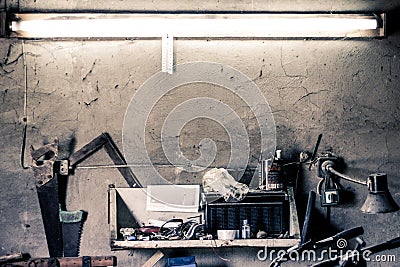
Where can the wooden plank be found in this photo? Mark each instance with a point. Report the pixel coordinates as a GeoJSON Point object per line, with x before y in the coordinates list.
{"type": "Point", "coordinates": [105, 140]}
{"type": "Point", "coordinates": [118, 159]}
{"type": "Point", "coordinates": [154, 259]}
{"type": "Point", "coordinates": [205, 243]}
{"type": "Point", "coordinates": [294, 227]}
{"type": "Point", "coordinates": [12, 257]}
{"type": "Point", "coordinates": [99, 261]}
{"type": "Point", "coordinates": [87, 150]}
{"type": "Point", "coordinates": [112, 205]}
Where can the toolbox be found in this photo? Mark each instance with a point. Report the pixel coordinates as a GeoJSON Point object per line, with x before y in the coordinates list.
{"type": "Point", "coordinates": [266, 211]}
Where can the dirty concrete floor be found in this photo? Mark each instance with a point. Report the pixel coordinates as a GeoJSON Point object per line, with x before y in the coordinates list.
{"type": "Point", "coordinates": [345, 89]}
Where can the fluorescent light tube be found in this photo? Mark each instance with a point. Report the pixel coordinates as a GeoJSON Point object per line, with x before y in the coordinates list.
{"type": "Point", "coordinates": [84, 25]}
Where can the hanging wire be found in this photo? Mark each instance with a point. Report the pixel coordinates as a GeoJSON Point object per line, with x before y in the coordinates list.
{"type": "Point", "coordinates": [25, 127]}
{"type": "Point", "coordinates": [25, 118]}
{"type": "Point", "coordinates": [213, 242]}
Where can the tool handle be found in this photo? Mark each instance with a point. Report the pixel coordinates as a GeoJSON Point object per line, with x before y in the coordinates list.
{"type": "Point", "coordinates": [314, 154]}
{"type": "Point", "coordinates": [12, 257]}
{"type": "Point", "coordinates": [305, 233]}
{"type": "Point", "coordinates": [350, 233]}
{"type": "Point", "coordinates": [95, 261]}
{"type": "Point", "coordinates": [87, 150]}
{"type": "Point", "coordinates": [394, 243]}
{"type": "Point", "coordinates": [346, 234]}
{"type": "Point", "coordinates": [391, 244]}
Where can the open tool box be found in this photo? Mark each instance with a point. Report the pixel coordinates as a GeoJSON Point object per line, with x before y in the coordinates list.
{"type": "Point", "coordinates": [274, 211]}
{"type": "Point", "coordinates": [266, 210]}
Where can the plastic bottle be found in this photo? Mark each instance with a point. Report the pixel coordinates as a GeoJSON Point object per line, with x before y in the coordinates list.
{"type": "Point", "coordinates": [246, 230]}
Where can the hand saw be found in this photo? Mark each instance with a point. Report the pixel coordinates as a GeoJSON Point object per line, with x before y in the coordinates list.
{"type": "Point", "coordinates": [62, 227]}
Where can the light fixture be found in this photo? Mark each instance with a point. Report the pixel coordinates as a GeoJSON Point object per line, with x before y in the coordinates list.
{"type": "Point", "coordinates": [379, 199]}
{"type": "Point", "coordinates": [192, 25]}
{"type": "Point", "coordinates": [245, 25]}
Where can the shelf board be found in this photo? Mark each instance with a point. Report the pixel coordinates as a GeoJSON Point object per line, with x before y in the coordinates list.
{"type": "Point", "coordinates": [284, 242]}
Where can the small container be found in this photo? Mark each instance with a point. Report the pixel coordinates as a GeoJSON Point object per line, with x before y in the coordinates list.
{"type": "Point", "coordinates": [246, 230]}
{"type": "Point", "coordinates": [226, 234]}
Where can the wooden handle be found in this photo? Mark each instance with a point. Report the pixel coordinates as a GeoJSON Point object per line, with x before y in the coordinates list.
{"type": "Point", "coordinates": [12, 257]}
{"type": "Point", "coordinates": [96, 261]}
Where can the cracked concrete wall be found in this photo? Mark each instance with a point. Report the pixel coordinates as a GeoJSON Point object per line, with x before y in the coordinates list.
{"type": "Point", "coordinates": [345, 89]}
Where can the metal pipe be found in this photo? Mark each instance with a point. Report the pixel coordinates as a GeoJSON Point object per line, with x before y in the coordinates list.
{"type": "Point", "coordinates": [341, 175]}
{"type": "Point", "coordinates": [157, 165]}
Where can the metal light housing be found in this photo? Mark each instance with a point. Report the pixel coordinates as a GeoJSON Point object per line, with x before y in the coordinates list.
{"type": "Point", "coordinates": [379, 199]}
{"type": "Point", "coordinates": [194, 25]}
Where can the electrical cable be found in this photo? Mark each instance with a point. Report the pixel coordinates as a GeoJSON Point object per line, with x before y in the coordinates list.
{"type": "Point", "coordinates": [24, 119]}
{"type": "Point", "coordinates": [215, 252]}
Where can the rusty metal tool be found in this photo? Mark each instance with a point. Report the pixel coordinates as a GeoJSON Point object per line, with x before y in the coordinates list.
{"type": "Point", "coordinates": [43, 165]}
{"type": "Point", "coordinates": [105, 140]}
{"type": "Point", "coordinates": [62, 227]}
{"type": "Point", "coordinates": [13, 258]}
{"type": "Point", "coordinates": [85, 261]}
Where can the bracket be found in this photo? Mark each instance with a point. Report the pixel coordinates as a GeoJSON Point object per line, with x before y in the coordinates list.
{"type": "Point", "coordinates": [330, 196]}
{"type": "Point", "coordinates": [167, 53]}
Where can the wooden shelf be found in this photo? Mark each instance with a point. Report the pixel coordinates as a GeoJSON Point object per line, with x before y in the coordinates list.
{"type": "Point", "coordinates": [284, 242]}
{"type": "Point", "coordinates": [134, 202]}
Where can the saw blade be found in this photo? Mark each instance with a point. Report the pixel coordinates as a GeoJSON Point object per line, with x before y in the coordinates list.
{"type": "Point", "coordinates": [48, 201]}
{"type": "Point", "coordinates": [71, 233]}
{"type": "Point", "coordinates": [71, 225]}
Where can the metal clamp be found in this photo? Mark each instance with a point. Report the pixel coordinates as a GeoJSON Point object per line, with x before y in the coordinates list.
{"type": "Point", "coordinates": [86, 261]}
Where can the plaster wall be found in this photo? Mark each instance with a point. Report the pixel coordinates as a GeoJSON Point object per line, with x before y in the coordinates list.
{"type": "Point", "coordinates": [345, 89]}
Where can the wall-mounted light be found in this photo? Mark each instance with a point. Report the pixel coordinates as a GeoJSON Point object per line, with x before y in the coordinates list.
{"type": "Point", "coordinates": [379, 199]}
{"type": "Point", "coordinates": [191, 25]}
{"type": "Point", "coordinates": [247, 25]}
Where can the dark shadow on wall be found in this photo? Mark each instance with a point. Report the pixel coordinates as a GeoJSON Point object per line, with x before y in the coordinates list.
{"type": "Point", "coordinates": [393, 22]}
